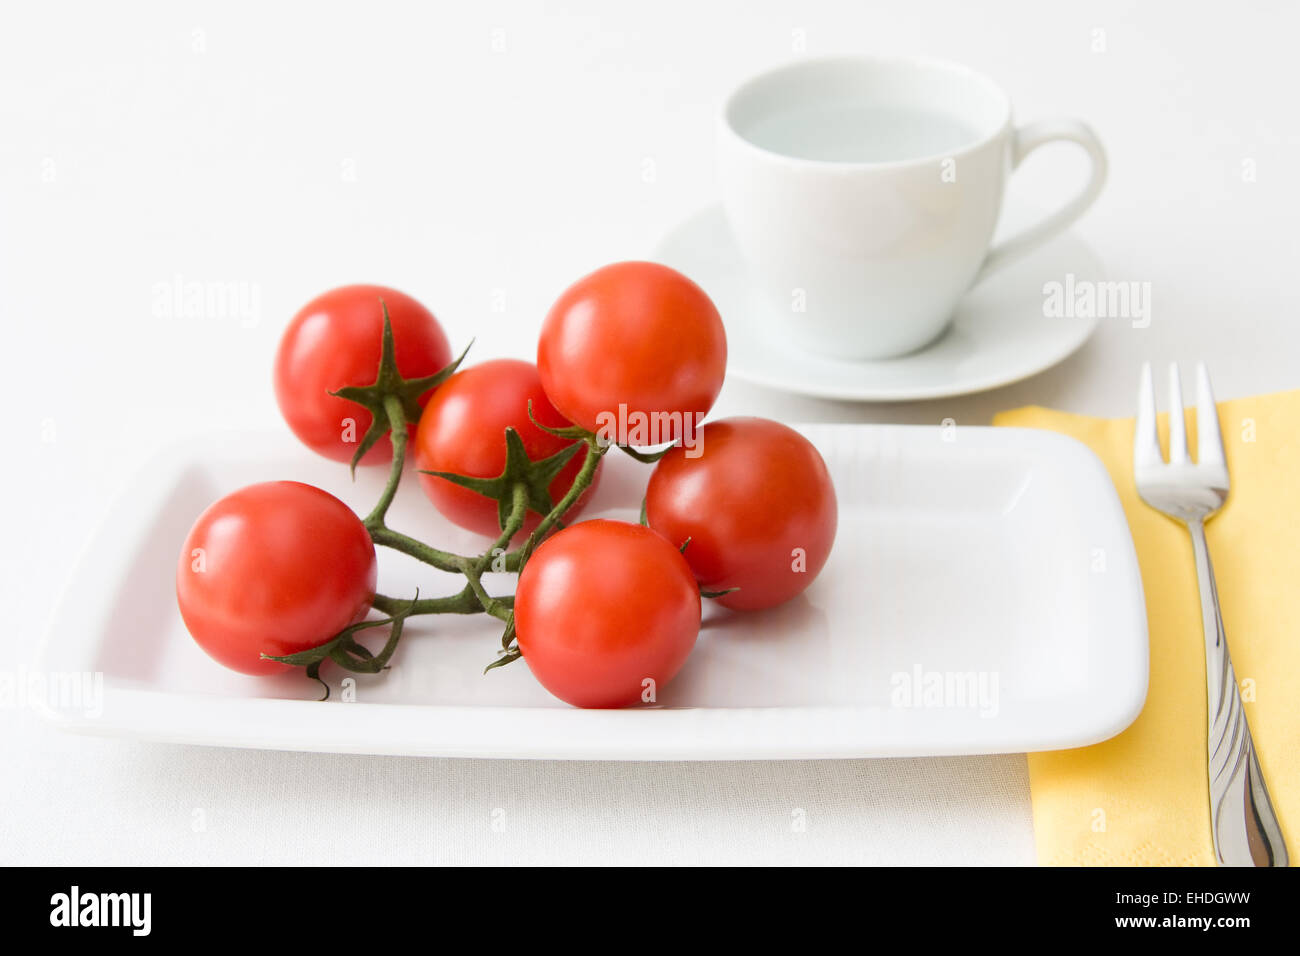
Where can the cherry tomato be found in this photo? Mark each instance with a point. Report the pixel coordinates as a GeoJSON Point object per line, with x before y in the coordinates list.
{"type": "Point", "coordinates": [334, 341]}
{"type": "Point", "coordinates": [602, 607]}
{"type": "Point", "coordinates": [462, 430]}
{"type": "Point", "coordinates": [274, 568]}
{"type": "Point", "coordinates": [633, 342]}
{"type": "Point", "coordinates": [757, 504]}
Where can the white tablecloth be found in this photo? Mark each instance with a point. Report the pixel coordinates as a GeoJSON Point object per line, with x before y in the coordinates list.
{"type": "Point", "coordinates": [482, 158]}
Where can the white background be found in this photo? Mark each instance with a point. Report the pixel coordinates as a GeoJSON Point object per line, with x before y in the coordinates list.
{"type": "Point", "coordinates": [502, 150]}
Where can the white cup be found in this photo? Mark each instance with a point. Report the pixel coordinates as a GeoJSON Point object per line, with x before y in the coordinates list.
{"type": "Point", "coordinates": [863, 193]}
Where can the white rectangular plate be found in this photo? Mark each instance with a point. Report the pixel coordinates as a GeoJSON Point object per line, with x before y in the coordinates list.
{"type": "Point", "coordinates": [983, 596]}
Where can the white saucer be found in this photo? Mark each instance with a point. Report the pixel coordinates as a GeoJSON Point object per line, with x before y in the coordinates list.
{"type": "Point", "coordinates": [1000, 334]}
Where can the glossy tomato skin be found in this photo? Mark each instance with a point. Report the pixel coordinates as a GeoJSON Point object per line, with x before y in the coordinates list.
{"type": "Point", "coordinates": [462, 430]}
{"type": "Point", "coordinates": [273, 568]}
{"type": "Point", "coordinates": [335, 340]}
{"type": "Point", "coordinates": [601, 607]}
{"type": "Point", "coordinates": [637, 334]}
{"type": "Point", "coordinates": [757, 492]}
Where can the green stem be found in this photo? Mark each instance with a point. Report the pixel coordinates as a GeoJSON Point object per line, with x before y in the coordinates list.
{"type": "Point", "coordinates": [581, 482]}
{"type": "Point", "coordinates": [474, 571]}
{"type": "Point", "coordinates": [380, 533]}
{"type": "Point", "coordinates": [514, 521]}
{"type": "Point", "coordinates": [464, 601]}
{"type": "Point", "coordinates": [498, 608]}
{"type": "Point", "coordinates": [398, 436]}
{"type": "Point", "coordinates": [442, 560]}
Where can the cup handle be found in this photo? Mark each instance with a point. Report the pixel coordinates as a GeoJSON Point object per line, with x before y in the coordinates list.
{"type": "Point", "coordinates": [1024, 141]}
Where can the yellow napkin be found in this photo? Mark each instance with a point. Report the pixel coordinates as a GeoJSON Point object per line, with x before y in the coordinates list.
{"type": "Point", "coordinates": [1142, 798]}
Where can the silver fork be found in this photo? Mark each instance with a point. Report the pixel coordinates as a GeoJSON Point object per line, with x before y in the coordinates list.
{"type": "Point", "coordinates": [1246, 831]}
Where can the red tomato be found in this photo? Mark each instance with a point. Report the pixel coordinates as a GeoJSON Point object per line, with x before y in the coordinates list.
{"type": "Point", "coordinates": [633, 342]}
{"type": "Point", "coordinates": [274, 568]}
{"type": "Point", "coordinates": [334, 341]}
{"type": "Point", "coordinates": [602, 607]}
{"type": "Point", "coordinates": [462, 430]}
{"type": "Point", "coordinates": [757, 504]}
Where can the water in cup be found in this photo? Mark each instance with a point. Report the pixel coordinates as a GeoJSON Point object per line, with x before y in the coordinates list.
{"type": "Point", "coordinates": [858, 134]}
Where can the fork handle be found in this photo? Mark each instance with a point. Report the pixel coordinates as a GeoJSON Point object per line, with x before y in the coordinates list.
{"type": "Point", "coordinates": [1245, 828]}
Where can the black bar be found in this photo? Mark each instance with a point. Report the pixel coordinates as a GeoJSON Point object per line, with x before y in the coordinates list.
{"type": "Point", "coordinates": [237, 905]}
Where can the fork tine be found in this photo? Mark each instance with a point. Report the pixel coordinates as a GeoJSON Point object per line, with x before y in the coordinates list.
{"type": "Point", "coordinates": [1209, 441]}
{"type": "Point", "coordinates": [1177, 420]}
{"type": "Point", "coordinates": [1146, 442]}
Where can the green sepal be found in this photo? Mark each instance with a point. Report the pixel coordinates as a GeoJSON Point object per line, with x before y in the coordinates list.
{"type": "Point", "coordinates": [569, 431]}
{"type": "Point", "coordinates": [535, 476]}
{"type": "Point", "coordinates": [716, 594]}
{"type": "Point", "coordinates": [647, 457]}
{"type": "Point", "coordinates": [389, 383]}
{"type": "Point", "coordinates": [507, 657]}
{"type": "Point", "coordinates": [313, 672]}
{"type": "Point", "coordinates": [344, 650]}
{"type": "Point", "coordinates": [509, 647]}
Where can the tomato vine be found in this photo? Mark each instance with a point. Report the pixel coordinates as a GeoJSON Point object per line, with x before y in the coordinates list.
{"type": "Point", "coordinates": [522, 486]}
